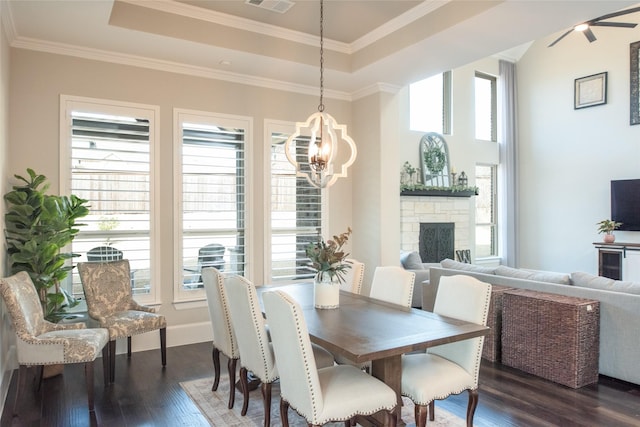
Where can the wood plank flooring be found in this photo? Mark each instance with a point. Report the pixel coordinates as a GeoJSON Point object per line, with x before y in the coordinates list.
{"type": "Point", "coordinates": [146, 395]}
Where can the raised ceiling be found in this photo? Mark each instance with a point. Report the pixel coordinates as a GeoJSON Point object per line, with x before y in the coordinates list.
{"type": "Point", "coordinates": [368, 43]}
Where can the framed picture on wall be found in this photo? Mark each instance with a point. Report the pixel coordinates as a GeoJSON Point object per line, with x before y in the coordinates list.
{"type": "Point", "coordinates": [590, 91]}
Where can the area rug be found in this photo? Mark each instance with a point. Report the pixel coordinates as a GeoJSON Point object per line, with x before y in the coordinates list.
{"type": "Point", "coordinates": [213, 406]}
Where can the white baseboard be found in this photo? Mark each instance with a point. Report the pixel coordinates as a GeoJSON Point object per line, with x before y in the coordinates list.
{"type": "Point", "coordinates": [176, 335]}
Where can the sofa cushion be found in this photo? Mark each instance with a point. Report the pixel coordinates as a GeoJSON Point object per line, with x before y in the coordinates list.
{"type": "Point", "coordinates": [411, 260]}
{"type": "Point", "coordinates": [456, 265]}
{"type": "Point", "coordinates": [539, 276]}
{"type": "Point", "coordinates": [587, 280]}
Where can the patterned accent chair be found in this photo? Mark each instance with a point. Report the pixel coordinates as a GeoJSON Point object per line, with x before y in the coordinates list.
{"type": "Point", "coordinates": [107, 289]}
{"type": "Point", "coordinates": [354, 277]}
{"type": "Point", "coordinates": [224, 339]}
{"type": "Point", "coordinates": [336, 393]}
{"type": "Point", "coordinates": [256, 352]}
{"type": "Point", "coordinates": [40, 342]}
{"type": "Point", "coordinates": [450, 368]}
{"type": "Point", "coordinates": [393, 284]}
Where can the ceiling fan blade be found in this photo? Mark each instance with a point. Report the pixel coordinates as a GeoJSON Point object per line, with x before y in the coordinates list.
{"type": "Point", "coordinates": [614, 14]}
{"type": "Point", "coordinates": [560, 38]}
{"type": "Point", "coordinates": [614, 24]}
{"type": "Point", "coordinates": [589, 35]}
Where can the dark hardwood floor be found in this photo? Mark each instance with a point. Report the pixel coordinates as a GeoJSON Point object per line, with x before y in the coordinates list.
{"type": "Point", "coordinates": [146, 395]}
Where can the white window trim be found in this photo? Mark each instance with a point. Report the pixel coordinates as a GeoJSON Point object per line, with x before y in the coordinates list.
{"type": "Point", "coordinates": [288, 128]}
{"type": "Point", "coordinates": [183, 296]}
{"type": "Point", "coordinates": [152, 112]}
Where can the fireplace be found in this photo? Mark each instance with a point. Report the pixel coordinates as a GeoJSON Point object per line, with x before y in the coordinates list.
{"type": "Point", "coordinates": [437, 241]}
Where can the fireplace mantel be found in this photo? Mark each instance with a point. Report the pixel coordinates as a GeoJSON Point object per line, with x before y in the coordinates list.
{"type": "Point", "coordinates": [439, 193]}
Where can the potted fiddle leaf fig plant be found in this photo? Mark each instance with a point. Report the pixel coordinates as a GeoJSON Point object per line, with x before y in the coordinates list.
{"type": "Point", "coordinates": [38, 226]}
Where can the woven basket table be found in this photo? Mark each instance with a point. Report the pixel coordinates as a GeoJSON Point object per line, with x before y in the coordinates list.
{"type": "Point", "coordinates": [555, 337]}
{"type": "Point", "coordinates": [493, 340]}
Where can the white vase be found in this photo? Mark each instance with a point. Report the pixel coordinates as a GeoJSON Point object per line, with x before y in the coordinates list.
{"type": "Point", "coordinates": [326, 291]}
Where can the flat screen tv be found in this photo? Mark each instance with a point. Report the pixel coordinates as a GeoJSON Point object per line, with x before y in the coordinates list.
{"type": "Point", "coordinates": [625, 203]}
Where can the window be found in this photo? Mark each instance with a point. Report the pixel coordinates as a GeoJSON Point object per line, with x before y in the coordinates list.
{"type": "Point", "coordinates": [430, 104]}
{"type": "Point", "coordinates": [108, 158]}
{"type": "Point", "coordinates": [485, 107]}
{"type": "Point", "coordinates": [486, 211]}
{"type": "Point", "coordinates": [210, 189]}
{"type": "Point", "coordinates": [296, 210]}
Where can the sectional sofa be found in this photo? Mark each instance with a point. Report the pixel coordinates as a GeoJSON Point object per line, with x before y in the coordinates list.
{"type": "Point", "coordinates": [619, 306]}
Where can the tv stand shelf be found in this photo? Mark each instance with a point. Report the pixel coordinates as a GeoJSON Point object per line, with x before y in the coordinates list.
{"type": "Point", "coordinates": [619, 261]}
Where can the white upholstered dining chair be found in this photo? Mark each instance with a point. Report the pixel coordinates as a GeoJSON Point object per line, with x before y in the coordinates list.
{"type": "Point", "coordinates": [256, 352]}
{"type": "Point", "coordinates": [393, 284]}
{"type": "Point", "coordinates": [336, 393]}
{"type": "Point", "coordinates": [224, 339]}
{"type": "Point", "coordinates": [39, 342]}
{"type": "Point", "coordinates": [450, 368]}
{"type": "Point", "coordinates": [354, 277]}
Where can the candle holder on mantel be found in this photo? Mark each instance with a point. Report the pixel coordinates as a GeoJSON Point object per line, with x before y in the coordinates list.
{"type": "Point", "coordinates": [463, 180]}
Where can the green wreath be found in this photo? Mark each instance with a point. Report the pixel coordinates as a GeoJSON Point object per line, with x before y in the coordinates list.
{"type": "Point", "coordinates": [434, 159]}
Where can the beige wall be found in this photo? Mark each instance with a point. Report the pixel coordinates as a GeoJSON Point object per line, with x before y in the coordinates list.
{"type": "Point", "coordinates": [40, 78]}
{"type": "Point", "coordinates": [568, 157]}
{"type": "Point", "coordinates": [7, 338]}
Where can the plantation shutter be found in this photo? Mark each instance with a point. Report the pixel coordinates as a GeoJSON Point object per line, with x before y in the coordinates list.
{"type": "Point", "coordinates": [296, 213]}
{"type": "Point", "coordinates": [213, 199]}
{"type": "Point", "coordinates": [110, 167]}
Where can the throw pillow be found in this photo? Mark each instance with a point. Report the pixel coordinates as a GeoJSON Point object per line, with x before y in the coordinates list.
{"type": "Point", "coordinates": [411, 260]}
{"type": "Point", "coordinates": [456, 265]}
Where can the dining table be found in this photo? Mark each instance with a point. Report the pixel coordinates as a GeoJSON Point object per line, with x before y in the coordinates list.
{"type": "Point", "coordinates": [364, 329]}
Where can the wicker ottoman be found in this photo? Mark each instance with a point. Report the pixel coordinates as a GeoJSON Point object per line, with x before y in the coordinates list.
{"type": "Point", "coordinates": [553, 336]}
{"type": "Point", "coordinates": [492, 341]}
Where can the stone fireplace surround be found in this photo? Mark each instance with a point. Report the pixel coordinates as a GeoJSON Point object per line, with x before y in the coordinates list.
{"type": "Point", "coordinates": [434, 209]}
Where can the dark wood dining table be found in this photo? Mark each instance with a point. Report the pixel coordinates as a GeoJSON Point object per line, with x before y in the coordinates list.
{"type": "Point", "coordinates": [364, 329]}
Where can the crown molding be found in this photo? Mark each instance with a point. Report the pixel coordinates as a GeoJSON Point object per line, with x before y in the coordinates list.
{"type": "Point", "coordinates": [171, 67]}
{"type": "Point", "coordinates": [374, 89]}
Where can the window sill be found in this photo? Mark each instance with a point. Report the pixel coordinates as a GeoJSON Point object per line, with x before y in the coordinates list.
{"type": "Point", "coordinates": [439, 193]}
{"type": "Point", "coordinates": [188, 305]}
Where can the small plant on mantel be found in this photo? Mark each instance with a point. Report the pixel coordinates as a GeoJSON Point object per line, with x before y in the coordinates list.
{"type": "Point", "coordinates": [607, 226]}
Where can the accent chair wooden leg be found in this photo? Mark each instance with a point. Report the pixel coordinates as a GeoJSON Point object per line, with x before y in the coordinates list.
{"type": "Point", "coordinates": [88, 374]}
{"type": "Point", "coordinates": [420, 412]}
{"type": "Point", "coordinates": [284, 412]}
{"type": "Point", "coordinates": [129, 347]}
{"type": "Point", "coordinates": [390, 418]}
{"type": "Point", "coordinates": [432, 410]}
{"type": "Point", "coordinates": [163, 346]}
{"type": "Point", "coordinates": [106, 365]}
{"type": "Point", "coordinates": [232, 381]}
{"type": "Point", "coordinates": [244, 385]}
{"type": "Point", "coordinates": [39, 376]}
{"type": "Point", "coordinates": [266, 398]}
{"type": "Point", "coordinates": [471, 408]}
{"type": "Point", "coordinates": [20, 383]}
{"type": "Point", "coordinates": [112, 360]}
{"type": "Point", "coordinates": [215, 356]}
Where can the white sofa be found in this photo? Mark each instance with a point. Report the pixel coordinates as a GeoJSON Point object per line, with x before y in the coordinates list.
{"type": "Point", "coordinates": [619, 307]}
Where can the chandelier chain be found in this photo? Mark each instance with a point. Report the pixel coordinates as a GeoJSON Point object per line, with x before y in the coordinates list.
{"type": "Point", "coordinates": [321, 105]}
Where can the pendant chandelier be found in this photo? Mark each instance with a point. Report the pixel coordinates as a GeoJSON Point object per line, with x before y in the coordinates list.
{"type": "Point", "coordinates": [324, 135]}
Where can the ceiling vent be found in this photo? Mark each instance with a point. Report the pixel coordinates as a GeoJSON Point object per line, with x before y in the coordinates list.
{"type": "Point", "coordinates": [280, 6]}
